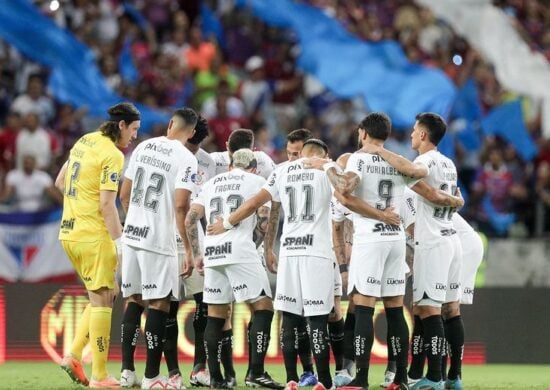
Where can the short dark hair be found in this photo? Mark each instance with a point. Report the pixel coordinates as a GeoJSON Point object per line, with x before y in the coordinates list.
{"type": "Point", "coordinates": [239, 139]}
{"type": "Point", "coordinates": [110, 127]}
{"type": "Point", "coordinates": [188, 115]}
{"type": "Point", "coordinates": [434, 124]}
{"type": "Point", "coordinates": [201, 131]}
{"type": "Point", "coordinates": [377, 125]}
{"type": "Point", "coordinates": [317, 143]}
{"type": "Point", "coordinates": [299, 135]}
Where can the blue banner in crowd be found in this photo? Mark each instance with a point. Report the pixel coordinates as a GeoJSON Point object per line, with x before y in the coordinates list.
{"type": "Point", "coordinates": [211, 26]}
{"type": "Point", "coordinates": [75, 77]}
{"type": "Point", "coordinates": [507, 122]}
{"type": "Point", "coordinates": [126, 65]}
{"type": "Point", "coordinates": [380, 72]}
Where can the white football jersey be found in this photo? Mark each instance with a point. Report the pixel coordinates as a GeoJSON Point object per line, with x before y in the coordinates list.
{"type": "Point", "coordinates": [157, 168]}
{"type": "Point", "coordinates": [206, 169]}
{"type": "Point", "coordinates": [264, 168]}
{"type": "Point", "coordinates": [380, 186]}
{"type": "Point", "coordinates": [434, 221]}
{"type": "Point", "coordinates": [220, 196]}
{"type": "Point", "coordinates": [408, 208]}
{"type": "Point", "coordinates": [339, 212]}
{"type": "Point", "coordinates": [305, 198]}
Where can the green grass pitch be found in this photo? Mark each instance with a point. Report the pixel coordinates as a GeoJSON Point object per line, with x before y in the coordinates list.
{"type": "Point", "coordinates": [46, 375]}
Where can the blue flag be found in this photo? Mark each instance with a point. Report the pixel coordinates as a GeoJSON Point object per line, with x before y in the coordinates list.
{"type": "Point", "coordinates": [379, 72]}
{"type": "Point", "coordinates": [507, 121]}
{"type": "Point", "coordinates": [126, 65]}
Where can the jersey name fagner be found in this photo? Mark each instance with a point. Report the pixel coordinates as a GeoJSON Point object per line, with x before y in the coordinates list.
{"type": "Point", "coordinates": [221, 186]}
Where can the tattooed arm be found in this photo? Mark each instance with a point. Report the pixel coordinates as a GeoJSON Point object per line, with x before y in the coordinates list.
{"type": "Point", "coordinates": [260, 230]}
{"type": "Point", "coordinates": [270, 235]}
{"type": "Point", "coordinates": [342, 182]}
{"type": "Point", "coordinates": [195, 213]}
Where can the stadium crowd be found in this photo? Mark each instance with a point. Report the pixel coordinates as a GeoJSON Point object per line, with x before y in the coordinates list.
{"type": "Point", "coordinates": [250, 79]}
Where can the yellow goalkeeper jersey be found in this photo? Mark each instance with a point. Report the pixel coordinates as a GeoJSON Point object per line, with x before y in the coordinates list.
{"type": "Point", "coordinates": [95, 164]}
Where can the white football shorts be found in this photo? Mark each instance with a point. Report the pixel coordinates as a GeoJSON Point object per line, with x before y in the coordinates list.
{"type": "Point", "coordinates": [437, 270]}
{"type": "Point", "coordinates": [377, 269]}
{"type": "Point", "coordinates": [226, 283]}
{"type": "Point", "coordinates": [472, 255]}
{"type": "Point", "coordinates": [305, 285]}
{"type": "Point", "coordinates": [151, 274]}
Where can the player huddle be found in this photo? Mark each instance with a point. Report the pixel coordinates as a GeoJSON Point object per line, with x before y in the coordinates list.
{"type": "Point", "coordinates": [392, 208]}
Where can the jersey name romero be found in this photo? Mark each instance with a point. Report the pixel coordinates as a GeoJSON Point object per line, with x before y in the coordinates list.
{"type": "Point", "coordinates": [305, 196]}
{"type": "Point", "coordinates": [157, 168]}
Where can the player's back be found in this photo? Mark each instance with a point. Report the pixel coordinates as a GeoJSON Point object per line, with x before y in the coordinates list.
{"type": "Point", "coordinates": [380, 186]}
{"type": "Point", "coordinates": [220, 196]}
{"type": "Point", "coordinates": [434, 221]}
{"type": "Point", "coordinates": [94, 164]}
{"type": "Point", "coordinates": [157, 168]}
{"type": "Point", "coordinates": [305, 196]}
{"type": "Point", "coordinates": [265, 164]}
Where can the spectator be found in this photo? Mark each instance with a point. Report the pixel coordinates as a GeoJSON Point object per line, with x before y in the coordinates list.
{"type": "Point", "coordinates": [543, 192]}
{"type": "Point", "coordinates": [222, 124]}
{"type": "Point", "coordinates": [34, 140]}
{"type": "Point", "coordinates": [200, 54]}
{"type": "Point", "coordinates": [34, 101]}
{"type": "Point", "coordinates": [27, 187]}
{"type": "Point", "coordinates": [235, 106]}
{"type": "Point", "coordinates": [8, 137]}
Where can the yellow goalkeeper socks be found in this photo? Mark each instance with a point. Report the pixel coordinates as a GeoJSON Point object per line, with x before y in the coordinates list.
{"type": "Point", "coordinates": [82, 334]}
{"type": "Point", "coordinates": [100, 333]}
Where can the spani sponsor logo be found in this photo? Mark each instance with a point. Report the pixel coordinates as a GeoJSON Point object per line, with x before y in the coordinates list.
{"type": "Point", "coordinates": [295, 241]}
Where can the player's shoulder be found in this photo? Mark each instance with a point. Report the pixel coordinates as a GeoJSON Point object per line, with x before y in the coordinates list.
{"type": "Point", "coordinates": [205, 157]}
{"type": "Point", "coordinates": [263, 157]}
{"type": "Point", "coordinates": [220, 157]}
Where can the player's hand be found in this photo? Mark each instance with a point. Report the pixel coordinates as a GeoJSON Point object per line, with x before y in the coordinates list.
{"type": "Point", "coordinates": [271, 262]}
{"type": "Point", "coordinates": [458, 194]}
{"type": "Point", "coordinates": [371, 148]}
{"type": "Point", "coordinates": [315, 163]}
{"type": "Point", "coordinates": [199, 265]}
{"type": "Point", "coordinates": [187, 266]}
{"type": "Point", "coordinates": [390, 217]}
{"type": "Point", "coordinates": [216, 227]}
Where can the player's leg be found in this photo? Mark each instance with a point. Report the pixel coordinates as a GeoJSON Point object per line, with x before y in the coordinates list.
{"type": "Point", "coordinates": [288, 301]}
{"type": "Point", "coordinates": [218, 295]}
{"type": "Point", "coordinates": [71, 363]}
{"type": "Point", "coordinates": [349, 328]}
{"type": "Point", "coordinates": [130, 328]}
{"type": "Point", "coordinates": [199, 375]}
{"type": "Point", "coordinates": [317, 285]}
{"type": "Point", "coordinates": [159, 284]}
{"type": "Point", "coordinates": [453, 325]}
{"type": "Point", "coordinates": [393, 290]}
{"type": "Point", "coordinates": [418, 353]}
{"type": "Point", "coordinates": [100, 284]}
{"type": "Point", "coordinates": [226, 351]}
{"type": "Point", "coordinates": [429, 293]}
{"type": "Point", "coordinates": [308, 377]}
{"type": "Point", "coordinates": [364, 286]}
{"type": "Point", "coordinates": [336, 323]}
{"type": "Point", "coordinates": [171, 346]}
